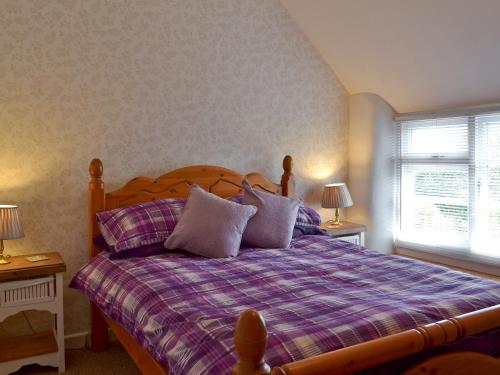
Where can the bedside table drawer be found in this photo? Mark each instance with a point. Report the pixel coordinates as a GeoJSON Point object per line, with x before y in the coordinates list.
{"type": "Point", "coordinates": [352, 239]}
{"type": "Point", "coordinates": [30, 291]}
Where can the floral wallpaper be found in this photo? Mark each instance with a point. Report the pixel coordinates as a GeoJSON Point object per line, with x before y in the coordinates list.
{"type": "Point", "coordinates": [149, 86]}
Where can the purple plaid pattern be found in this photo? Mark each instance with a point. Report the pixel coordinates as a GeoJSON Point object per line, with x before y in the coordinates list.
{"type": "Point", "coordinates": [307, 217]}
{"type": "Point", "coordinates": [320, 295]}
{"type": "Point", "coordinates": [140, 224]}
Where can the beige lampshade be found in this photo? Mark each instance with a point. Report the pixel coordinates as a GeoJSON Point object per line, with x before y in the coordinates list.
{"type": "Point", "coordinates": [10, 223]}
{"type": "Point", "coordinates": [336, 196]}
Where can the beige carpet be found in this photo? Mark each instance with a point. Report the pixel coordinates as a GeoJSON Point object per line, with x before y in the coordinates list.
{"type": "Point", "coordinates": [84, 362]}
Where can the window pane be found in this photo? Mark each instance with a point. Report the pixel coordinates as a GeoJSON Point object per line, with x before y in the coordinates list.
{"type": "Point", "coordinates": [434, 204]}
{"type": "Point", "coordinates": [450, 183]}
{"type": "Point", "coordinates": [486, 238]}
{"type": "Point", "coordinates": [435, 138]}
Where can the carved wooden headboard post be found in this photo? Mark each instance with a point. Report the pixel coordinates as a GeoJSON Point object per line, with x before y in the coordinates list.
{"type": "Point", "coordinates": [288, 179]}
{"type": "Point", "coordinates": [96, 202]}
{"type": "Point", "coordinates": [96, 196]}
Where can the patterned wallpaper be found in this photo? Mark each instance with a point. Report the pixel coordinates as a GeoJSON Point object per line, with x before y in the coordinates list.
{"type": "Point", "coordinates": [149, 86]}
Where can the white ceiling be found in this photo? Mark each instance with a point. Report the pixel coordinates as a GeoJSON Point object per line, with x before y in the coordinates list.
{"type": "Point", "coordinates": [418, 55]}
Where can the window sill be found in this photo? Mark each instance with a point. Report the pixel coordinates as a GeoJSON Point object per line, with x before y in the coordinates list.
{"type": "Point", "coordinates": [461, 260]}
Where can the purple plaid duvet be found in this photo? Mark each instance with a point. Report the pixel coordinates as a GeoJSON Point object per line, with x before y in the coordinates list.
{"type": "Point", "coordinates": [321, 295]}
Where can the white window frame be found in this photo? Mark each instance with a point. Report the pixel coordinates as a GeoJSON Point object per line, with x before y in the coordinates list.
{"type": "Point", "coordinates": [459, 257]}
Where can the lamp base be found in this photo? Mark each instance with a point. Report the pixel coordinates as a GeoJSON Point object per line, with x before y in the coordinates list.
{"type": "Point", "coordinates": [333, 223]}
{"type": "Point", "coordinates": [4, 259]}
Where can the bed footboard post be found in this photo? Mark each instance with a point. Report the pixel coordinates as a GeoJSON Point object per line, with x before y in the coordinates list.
{"type": "Point", "coordinates": [98, 330]}
{"type": "Point", "coordinates": [251, 341]}
{"type": "Point", "coordinates": [98, 326]}
{"type": "Point", "coordinates": [288, 179]}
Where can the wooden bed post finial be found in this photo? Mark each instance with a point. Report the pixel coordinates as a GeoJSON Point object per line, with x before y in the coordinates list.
{"type": "Point", "coordinates": [287, 163]}
{"type": "Point", "coordinates": [251, 341]}
{"type": "Point", "coordinates": [95, 169]}
{"type": "Point", "coordinates": [288, 179]}
{"type": "Point", "coordinates": [96, 203]}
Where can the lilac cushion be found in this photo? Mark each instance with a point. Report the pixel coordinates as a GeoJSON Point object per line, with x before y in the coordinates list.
{"type": "Point", "coordinates": [272, 226]}
{"type": "Point", "coordinates": [306, 216]}
{"type": "Point", "coordinates": [141, 224]}
{"type": "Point", "coordinates": [210, 226]}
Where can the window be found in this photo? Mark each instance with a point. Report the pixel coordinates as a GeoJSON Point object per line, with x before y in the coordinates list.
{"type": "Point", "coordinates": [449, 184]}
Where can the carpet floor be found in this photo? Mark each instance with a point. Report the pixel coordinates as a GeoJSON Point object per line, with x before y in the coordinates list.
{"type": "Point", "coordinates": [84, 362]}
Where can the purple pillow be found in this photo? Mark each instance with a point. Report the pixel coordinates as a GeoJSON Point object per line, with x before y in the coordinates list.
{"type": "Point", "coordinates": [101, 243]}
{"type": "Point", "coordinates": [141, 224]}
{"type": "Point", "coordinates": [272, 226]}
{"type": "Point", "coordinates": [210, 226]}
{"type": "Point", "coordinates": [137, 252]}
{"type": "Point", "coordinates": [307, 217]}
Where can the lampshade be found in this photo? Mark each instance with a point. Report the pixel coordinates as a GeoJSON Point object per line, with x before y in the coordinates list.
{"type": "Point", "coordinates": [10, 223]}
{"type": "Point", "coordinates": [336, 196]}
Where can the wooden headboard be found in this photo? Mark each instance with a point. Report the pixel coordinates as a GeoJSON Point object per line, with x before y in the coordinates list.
{"type": "Point", "coordinates": [220, 181]}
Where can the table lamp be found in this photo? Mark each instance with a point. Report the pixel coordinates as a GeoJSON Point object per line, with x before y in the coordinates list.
{"type": "Point", "coordinates": [336, 196]}
{"type": "Point", "coordinates": [10, 228]}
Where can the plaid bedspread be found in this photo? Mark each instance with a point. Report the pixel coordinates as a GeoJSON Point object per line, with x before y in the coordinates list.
{"type": "Point", "coordinates": [321, 295]}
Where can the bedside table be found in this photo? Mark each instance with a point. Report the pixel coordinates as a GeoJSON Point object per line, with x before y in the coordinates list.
{"type": "Point", "coordinates": [26, 285]}
{"type": "Point", "coordinates": [350, 232]}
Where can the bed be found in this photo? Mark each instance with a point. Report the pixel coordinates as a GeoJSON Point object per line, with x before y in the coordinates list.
{"type": "Point", "coordinates": [323, 306]}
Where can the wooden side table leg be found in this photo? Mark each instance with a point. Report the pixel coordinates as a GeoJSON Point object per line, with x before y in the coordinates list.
{"type": "Point", "coordinates": [362, 238]}
{"type": "Point", "coordinates": [60, 324]}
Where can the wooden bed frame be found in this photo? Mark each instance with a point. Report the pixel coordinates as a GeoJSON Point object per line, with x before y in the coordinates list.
{"type": "Point", "coordinates": [250, 333]}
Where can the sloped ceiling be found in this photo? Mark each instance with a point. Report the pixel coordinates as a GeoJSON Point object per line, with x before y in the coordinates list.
{"type": "Point", "coordinates": [419, 55]}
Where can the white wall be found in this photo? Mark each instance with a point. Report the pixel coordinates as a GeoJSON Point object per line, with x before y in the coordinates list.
{"type": "Point", "coordinates": [371, 170]}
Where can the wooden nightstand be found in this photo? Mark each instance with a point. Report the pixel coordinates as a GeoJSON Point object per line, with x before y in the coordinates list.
{"type": "Point", "coordinates": [28, 285]}
{"type": "Point", "coordinates": [347, 231]}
